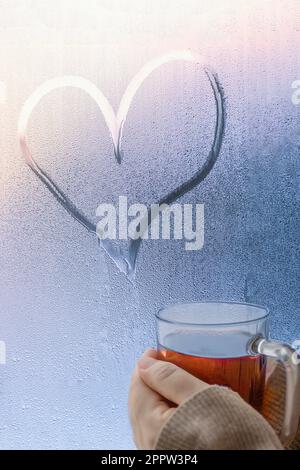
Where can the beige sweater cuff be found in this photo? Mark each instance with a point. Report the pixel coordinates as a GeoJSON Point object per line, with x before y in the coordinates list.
{"type": "Point", "coordinates": [216, 419]}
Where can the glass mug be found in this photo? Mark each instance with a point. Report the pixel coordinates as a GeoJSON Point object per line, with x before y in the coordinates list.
{"type": "Point", "coordinates": [227, 343]}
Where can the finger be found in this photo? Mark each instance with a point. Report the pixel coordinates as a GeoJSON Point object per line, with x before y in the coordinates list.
{"type": "Point", "coordinates": [143, 398]}
{"type": "Point", "coordinates": [168, 380]}
{"type": "Point", "coordinates": [137, 385]}
{"type": "Point", "coordinates": [150, 352]}
{"type": "Point", "coordinates": [147, 412]}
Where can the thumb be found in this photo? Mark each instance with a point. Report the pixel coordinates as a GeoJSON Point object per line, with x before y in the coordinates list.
{"type": "Point", "coordinates": [170, 381]}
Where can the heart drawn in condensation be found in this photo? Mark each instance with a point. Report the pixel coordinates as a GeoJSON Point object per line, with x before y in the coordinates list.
{"type": "Point", "coordinates": [115, 123]}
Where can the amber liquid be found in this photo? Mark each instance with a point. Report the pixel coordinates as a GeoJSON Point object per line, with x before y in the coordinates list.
{"type": "Point", "coordinates": [243, 374]}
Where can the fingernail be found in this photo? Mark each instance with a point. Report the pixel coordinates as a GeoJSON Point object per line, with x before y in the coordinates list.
{"type": "Point", "coordinates": [145, 362]}
{"type": "Point", "coordinates": [150, 349]}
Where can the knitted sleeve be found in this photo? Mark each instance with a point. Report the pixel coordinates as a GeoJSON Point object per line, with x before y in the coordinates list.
{"type": "Point", "coordinates": [216, 419]}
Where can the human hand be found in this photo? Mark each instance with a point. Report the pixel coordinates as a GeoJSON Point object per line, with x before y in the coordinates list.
{"type": "Point", "coordinates": [157, 388]}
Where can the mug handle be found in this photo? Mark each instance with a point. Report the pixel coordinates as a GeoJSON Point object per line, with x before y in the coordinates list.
{"type": "Point", "coordinates": [291, 362]}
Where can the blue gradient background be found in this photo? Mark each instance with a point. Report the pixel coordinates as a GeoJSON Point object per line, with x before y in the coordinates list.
{"type": "Point", "coordinates": [73, 325]}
